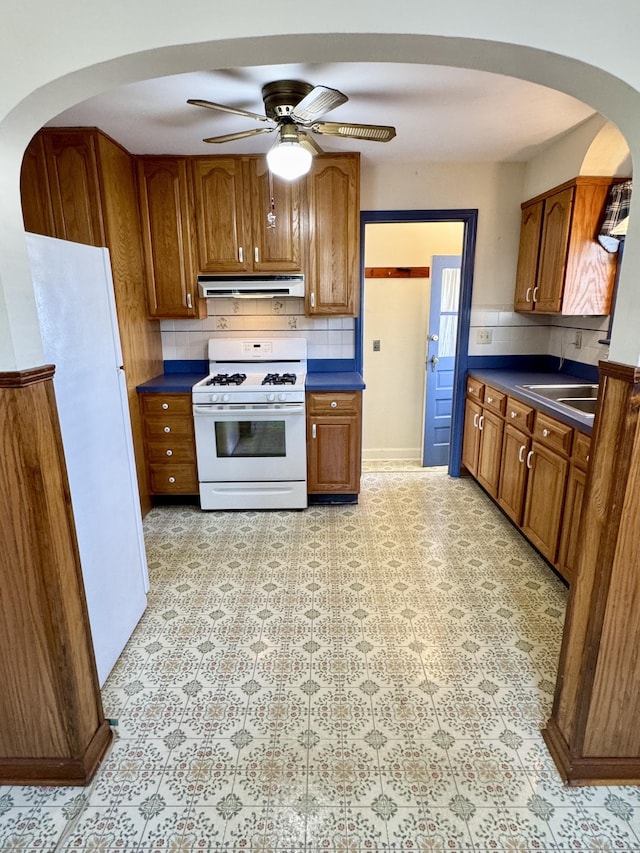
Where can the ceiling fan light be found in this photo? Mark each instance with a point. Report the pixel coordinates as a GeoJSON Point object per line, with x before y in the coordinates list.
{"type": "Point", "coordinates": [289, 160]}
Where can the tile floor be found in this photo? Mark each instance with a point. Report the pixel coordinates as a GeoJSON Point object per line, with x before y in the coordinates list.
{"type": "Point", "coordinates": [368, 677]}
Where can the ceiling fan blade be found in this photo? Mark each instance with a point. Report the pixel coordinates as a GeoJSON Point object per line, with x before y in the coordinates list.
{"type": "Point", "coordinates": [319, 101]}
{"type": "Point", "coordinates": [235, 110]}
{"type": "Point", "coordinates": [309, 142]}
{"type": "Point", "coordinates": [372, 132]}
{"type": "Point", "coordinates": [241, 134]}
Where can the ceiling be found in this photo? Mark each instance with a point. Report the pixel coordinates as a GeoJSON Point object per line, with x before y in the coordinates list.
{"type": "Point", "coordinates": [440, 113]}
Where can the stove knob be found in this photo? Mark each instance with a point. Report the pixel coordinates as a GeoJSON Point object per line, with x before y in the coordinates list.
{"type": "Point", "coordinates": [271, 397]}
{"type": "Point", "coordinates": [226, 398]}
{"type": "Point", "coordinates": [282, 397]}
{"type": "Point", "coordinates": [214, 398]}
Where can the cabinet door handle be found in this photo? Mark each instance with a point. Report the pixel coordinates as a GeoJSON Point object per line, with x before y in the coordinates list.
{"type": "Point", "coordinates": [475, 419]}
{"type": "Point", "coordinates": [527, 296]}
{"type": "Point", "coordinates": [523, 447]}
{"type": "Point", "coordinates": [256, 254]}
{"type": "Point", "coordinates": [313, 299]}
{"type": "Point", "coordinates": [529, 458]}
{"type": "Point", "coordinates": [189, 302]}
{"type": "Point", "coordinates": [480, 422]}
{"type": "Point", "coordinates": [240, 254]}
{"type": "Point", "coordinates": [313, 431]}
{"type": "Point", "coordinates": [535, 293]}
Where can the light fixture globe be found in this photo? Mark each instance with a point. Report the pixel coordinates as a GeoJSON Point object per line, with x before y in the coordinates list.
{"type": "Point", "coordinates": [288, 159]}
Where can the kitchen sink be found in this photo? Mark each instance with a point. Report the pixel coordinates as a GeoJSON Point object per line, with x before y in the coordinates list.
{"type": "Point", "coordinates": [582, 397]}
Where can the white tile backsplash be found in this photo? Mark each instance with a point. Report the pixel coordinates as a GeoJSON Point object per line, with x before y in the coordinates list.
{"type": "Point", "coordinates": [327, 337]}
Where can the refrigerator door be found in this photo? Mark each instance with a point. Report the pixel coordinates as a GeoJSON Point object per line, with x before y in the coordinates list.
{"type": "Point", "coordinates": [78, 322]}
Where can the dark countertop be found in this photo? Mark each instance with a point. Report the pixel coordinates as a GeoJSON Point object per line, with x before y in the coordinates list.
{"type": "Point", "coordinates": [181, 383]}
{"type": "Point", "coordinates": [508, 381]}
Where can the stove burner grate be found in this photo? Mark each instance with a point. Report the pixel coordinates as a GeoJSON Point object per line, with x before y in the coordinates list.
{"type": "Point", "coordinates": [279, 379]}
{"type": "Point", "coordinates": [227, 379]}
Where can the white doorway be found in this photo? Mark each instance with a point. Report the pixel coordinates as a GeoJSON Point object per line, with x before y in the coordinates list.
{"type": "Point", "coordinates": [396, 312]}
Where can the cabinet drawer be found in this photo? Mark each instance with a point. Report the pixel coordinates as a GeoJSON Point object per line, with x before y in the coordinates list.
{"type": "Point", "coordinates": [173, 479]}
{"type": "Point", "coordinates": [171, 450]}
{"type": "Point", "coordinates": [552, 433]}
{"type": "Point", "coordinates": [333, 403]}
{"type": "Point", "coordinates": [169, 425]}
{"type": "Point", "coordinates": [164, 404]}
{"type": "Point", "coordinates": [581, 447]}
{"type": "Point", "coordinates": [494, 400]}
{"type": "Point", "coordinates": [519, 414]}
{"type": "Point", "coordinates": [475, 389]}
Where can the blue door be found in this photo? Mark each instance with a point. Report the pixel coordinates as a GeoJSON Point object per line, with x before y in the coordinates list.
{"type": "Point", "coordinates": [441, 357]}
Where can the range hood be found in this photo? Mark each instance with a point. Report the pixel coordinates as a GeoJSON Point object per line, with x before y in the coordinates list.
{"type": "Point", "coordinates": [251, 286]}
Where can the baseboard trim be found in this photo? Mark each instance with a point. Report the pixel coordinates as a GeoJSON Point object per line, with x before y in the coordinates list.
{"type": "Point", "coordinates": [54, 771]}
{"type": "Point", "coordinates": [576, 772]}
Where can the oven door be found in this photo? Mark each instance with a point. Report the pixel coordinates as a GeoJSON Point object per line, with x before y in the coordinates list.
{"type": "Point", "coordinates": [250, 442]}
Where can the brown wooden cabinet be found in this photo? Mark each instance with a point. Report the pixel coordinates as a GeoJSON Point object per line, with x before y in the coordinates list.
{"type": "Point", "coordinates": [516, 445]}
{"type": "Point", "coordinates": [80, 185]}
{"type": "Point", "coordinates": [334, 428]}
{"type": "Point", "coordinates": [562, 269]}
{"type": "Point", "coordinates": [482, 437]}
{"type": "Point", "coordinates": [490, 454]}
{"type": "Point", "coordinates": [169, 443]}
{"type": "Point", "coordinates": [247, 220]}
{"type": "Point", "coordinates": [166, 211]}
{"type": "Point", "coordinates": [471, 436]}
{"type": "Point", "coordinates": [333, 189]}
{"type": "Point", "coordinates": [576, 482]}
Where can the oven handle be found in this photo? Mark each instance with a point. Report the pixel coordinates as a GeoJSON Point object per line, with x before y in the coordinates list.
{"type": "Point", "coordinates": [259, 414]}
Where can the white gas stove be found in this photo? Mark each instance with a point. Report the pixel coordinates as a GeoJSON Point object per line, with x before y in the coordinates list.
{"type": "Point", "coordinates": [249, 416]}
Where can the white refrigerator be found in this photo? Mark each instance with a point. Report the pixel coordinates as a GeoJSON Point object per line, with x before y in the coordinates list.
{"type": "Point", "coordinates": [79, 327]}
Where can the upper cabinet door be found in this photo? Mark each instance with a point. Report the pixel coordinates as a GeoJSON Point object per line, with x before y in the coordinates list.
{"type": "Point", "coordinates": [75, 190]}
{"type": "Point", "coordinates": [166, 236]}
{"type": "Point", "coordinates": [334, 232]}
{"type": "Point", "coordinates": [222, 228]}
{"type": "Point", "coordinates": [553, 250]}
{"type": "Point", "coordinates": [37, 210]}
{"type": "Point", "coordinates": [527, 272]}
{"type": "Point", "coordinates": [276, 220]}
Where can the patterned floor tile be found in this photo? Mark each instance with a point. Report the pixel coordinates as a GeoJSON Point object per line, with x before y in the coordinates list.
{"type": "Point", "coordinates": [353, 678]}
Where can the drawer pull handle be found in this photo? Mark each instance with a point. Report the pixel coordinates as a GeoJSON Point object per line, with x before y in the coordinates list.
{"type": "Point", "coordinates": [169, 452]}
{"type": "Point", "coordinates": [172, 479]}
{"type": "Point", "coordinates": [334, 405]}
{"type": "Point", "coordinates": [523, 447]}
{"type": "Point", "coordinates": [167, 429]}
{"type": "Point", "coordinates": [546, 432]}
{"type": "Point", "coordinates": [469, 390]}
{"type": "Point", "coordinates": [165, 405]}
{"type": "Point", "coordinates": [313, 431]}
{"type": "Point", "coordinates": [529, 458]}
{"type": "Point", "coordinates": [588, 457]}
{"type": "Point", "coordinates": [489, 399]}
{"type": "Point", "coordinates": [240, 255]}
{"type": "Point", "coordinates": [514, 414]}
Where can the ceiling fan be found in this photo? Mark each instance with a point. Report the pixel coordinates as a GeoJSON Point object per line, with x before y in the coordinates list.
{"type": "Point", "coordinates": [294, 108]}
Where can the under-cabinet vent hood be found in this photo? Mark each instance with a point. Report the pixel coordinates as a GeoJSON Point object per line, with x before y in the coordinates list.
{"type": "Point", "coordinates": [251, 286]}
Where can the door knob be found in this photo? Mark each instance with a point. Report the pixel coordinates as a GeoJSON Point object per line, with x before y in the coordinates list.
{"type": "Point", "coordinates": [434, 338]}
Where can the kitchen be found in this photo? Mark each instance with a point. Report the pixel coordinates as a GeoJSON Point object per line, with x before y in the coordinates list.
{"type": "Point", "coordinates": [477, 174]}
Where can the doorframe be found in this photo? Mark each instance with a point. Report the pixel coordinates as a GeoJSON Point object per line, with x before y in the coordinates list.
{"type": "Point", "coordinates": [469, 219]}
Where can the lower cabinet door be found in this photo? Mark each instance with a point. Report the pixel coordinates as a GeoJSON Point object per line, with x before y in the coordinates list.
{"type": "Point", "coordinates": [490, 455]}
{"type": "Point", "coordinates": [571, 522]}
{"type": "Point", "coordinates": [545, 499]}
{"type": "Point", "coordinates": [513, 473]}
{"type": "Point", "coordinates": [334, 454]}
{"type": "Point", "coordinates": [471, 437]}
